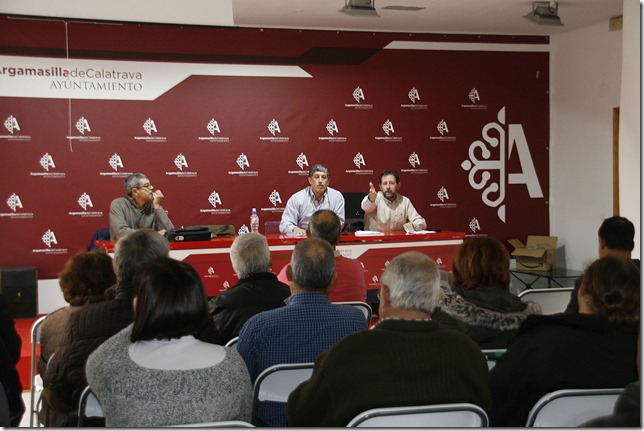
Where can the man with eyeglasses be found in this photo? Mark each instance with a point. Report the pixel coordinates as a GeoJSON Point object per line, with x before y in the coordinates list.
{"type": "Point", "coordinates": [141, 208]}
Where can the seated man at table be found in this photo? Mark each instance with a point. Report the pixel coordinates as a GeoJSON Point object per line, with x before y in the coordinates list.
{"type": "Point", "coordinates": [304, 203]}
{"type": "Point", "coordinates": [306, 326]}
{"type": "Point", "coordinates": [139, 209]}
{"type": "Point", "coordinates": [405, 360]}
{"type": "Point", "coordinates": [349, 284]}
{"type": "Point", "coordinates": [258, 289]}
{"type": "Point", "coordinates": [388, 211]}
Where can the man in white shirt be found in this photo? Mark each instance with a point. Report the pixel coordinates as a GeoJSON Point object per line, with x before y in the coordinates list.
{"type": "Point", "coordinates": [388, 211]}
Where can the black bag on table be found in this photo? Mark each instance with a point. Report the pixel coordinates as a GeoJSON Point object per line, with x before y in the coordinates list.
{"type": "Point", "coordinates": [189, 233]}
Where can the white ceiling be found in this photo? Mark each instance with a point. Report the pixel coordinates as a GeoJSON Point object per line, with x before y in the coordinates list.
{"type": "Point", "coordinates": [437, 16]}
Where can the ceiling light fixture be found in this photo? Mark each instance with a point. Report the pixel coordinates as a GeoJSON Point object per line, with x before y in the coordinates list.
{"type": "Point", "coordinates": [544, 13]}
{"type": "Point", "coordinates": [360, 8]}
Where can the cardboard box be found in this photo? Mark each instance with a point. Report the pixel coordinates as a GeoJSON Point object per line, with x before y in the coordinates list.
{"type": "Point", "coordinates": [540, 254]}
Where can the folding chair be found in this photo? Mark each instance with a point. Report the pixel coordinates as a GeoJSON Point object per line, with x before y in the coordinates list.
{"type": "Point", "coordinates": [35, 379]}
{"type": "Point", "coordinates": [572, 407]}
{"type": "Point", "coordinates": [459, 415]}
{"type": "Point", "coordinates": [222, 424]}
{"type": "Point", "coordinates": [89, 408]}
{"type": "Point", "coordinates": [362, 306]}
{"type": "Point", "coordinates": [552, 300]}
{"type": "Point", "coordinates": [277, 382]}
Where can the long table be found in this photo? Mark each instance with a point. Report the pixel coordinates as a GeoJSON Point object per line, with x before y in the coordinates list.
{"type": "Point", "coordinates": [211, 259]}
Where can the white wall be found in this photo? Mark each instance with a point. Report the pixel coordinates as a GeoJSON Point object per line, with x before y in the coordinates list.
{"type": "Point", "coordinates": [585, 74]}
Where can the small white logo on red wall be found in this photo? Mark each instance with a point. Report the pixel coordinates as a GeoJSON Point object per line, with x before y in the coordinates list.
{"type": "Point", "coordinates": [358, 94]}
{"type": "Point", "coordinates": [11, 124]}
{"type": "Point", "coordinates": [214, 199]}
{"type": "Point", "coordinates": [85, 201]}
{"type": "Point", "coordinates": [358, 160]}
{"type": "Point", "coordinates": [474, 95]}
{"type": "Point", "coordinates": [413, 95]}
{"type": "Point", "coordinates": [242, 230]}
{"type": "Point", "coordinates": [442, 127]}
{"type": "Point", "coordinates": [116, 162]}
{"type": "Point", "coordinates": [47, 161]}
{"type": "Point", "coordinates": [302, 161]}
{"type": "Point", "coordinates": [49, 238]}
{"type": "Point", "coordinates": [332, 127]}
{"type": "Point", "coordinates": [180, 162]}
{"type": "Point", "coordinates": [14, 202]}
{"type": "Point", "coordinates": [211, 270]}
{"type": "Point", "coordinates": [481, 170]}
{"type": "Point", "coordinates": [439, 261]}
{"type": "Point", "coordinates": [474, 225]}
{"type": "Point", "coordinates": [274, 127]}
{"type": "Point", "coordinates": [414, 160]}
{"type": "Point", "coordinates": [275, 198]}
{"type": "Point", "coordinates": [442, 194]}
{"type": "Point", "coordinates": [213, 127]}
{"type": "Point", "coordinates": [242, 161]}
{"type": "Point", "coordinates": [388, 127]}
{"type": "Point", "coordinates": [149, 126]}
{"type": "Point", "coordinates": [82, 125]}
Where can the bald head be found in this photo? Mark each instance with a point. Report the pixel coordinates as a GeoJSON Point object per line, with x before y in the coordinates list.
{"type": "Point", "coordinates": [325, 224]}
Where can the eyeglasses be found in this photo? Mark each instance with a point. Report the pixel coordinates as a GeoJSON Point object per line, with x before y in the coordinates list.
{"type": "Point", "coordinates": [147, 186]}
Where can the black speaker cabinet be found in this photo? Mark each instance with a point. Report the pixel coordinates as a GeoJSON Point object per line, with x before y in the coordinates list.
{"type": "Point", "coordinates": [19, 286]}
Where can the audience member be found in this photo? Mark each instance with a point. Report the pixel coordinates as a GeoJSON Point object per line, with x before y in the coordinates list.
{"type": "Point", "coordinates": [304, 203]}
{"type": "Point", "coordinates": [405, 360]}
{"type": "Point", "coordinates": [257, 289]}
{"type": "Point", "coordinates": [306, 326]}
{"type": "Point", "coordinates": [156, 372]}
{"type": "Point", "coordinates": [139, 209]}
{"type": "Point", "coordinates": [92, 324]}
{"type": "Point", "coordinates": [349, 284]}
{"type": "Point", "coordinates": [479, 302]}
{"type": "Point", "coordinates": [615, 236]}
{"type": "Point", "coordinates": [10, 345]}
{"type": "Point", "coordinates": [388, 211]}
{"type": "Point", "coordinates": [595, 348]}
{"type": "Point", "coordinates": [83, 280]}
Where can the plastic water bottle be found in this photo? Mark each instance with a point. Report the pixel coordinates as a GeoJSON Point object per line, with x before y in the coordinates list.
{"type": "Point", "coordinates": [254, 221]}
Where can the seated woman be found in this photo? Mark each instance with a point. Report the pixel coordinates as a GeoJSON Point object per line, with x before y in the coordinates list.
{"type": "Point", "coordinates": [156, 372]}
{"type": "Point", "coordinates": [478, 302]}
{"type": "Point", "coordinates": [83, 280]}
{"type": "Point", "coordinates": [595, 348]}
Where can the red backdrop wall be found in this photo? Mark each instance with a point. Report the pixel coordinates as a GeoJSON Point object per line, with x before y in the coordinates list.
{"type": "Point", "coordinates": [235, 117]}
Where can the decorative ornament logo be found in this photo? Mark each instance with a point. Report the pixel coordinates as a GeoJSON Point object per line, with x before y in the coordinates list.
{"type": "Point", "coordinates": [49, 238]}
{"type": "Point", "coordinates": [474, 225]}
{"type": "Point", "coordinates": [149, 126]}
{"type": "Point", "coordinates": [302, 161]}
{"type": "Point", "coordinates": [11, 124]}
{"type": "Point", "coordinates": [14, 202]}
{"type": "Point", "coordinates": [414, 160]}
{"type": "Point", "coordinates": [213, 127]}
{"type": "Point", "coordinates": [85, 201]}
{"type": "Point", "coordinates": [274, 127]}
{"type": "Point", "coordinates": [242, 161]}
{"type": "Point", "coordinates": [332, 127]}
{"type": "Point", "coordinates": [82, 125]}
{"type": "Point", "coordinates": [442, 194]}
{"type": "Point", "coordinates": [388, 127]}
{"type": "Point", "coordinates": [481, 169]}
{"type": "Point", "coordinates": [275, 198]}
{"type": "Point", "coordinates": [442, 127]}
{"type": "Point", "coordinates": [47, 162]}
{"type": "Point", "coordinates": [180, 162]}
{"type": "Point", "coordinates": [214, 199]}
{"type": "Point", "coordinates": [358, 160]}
{"type": "Point", "coordinates": [358, 94]}
{"type": "Point", "coordinates": [116, 162]}
{"type": "Point", "coordinates": [474, 95]}
{"type": "Point", "coordinates": [413, 95]}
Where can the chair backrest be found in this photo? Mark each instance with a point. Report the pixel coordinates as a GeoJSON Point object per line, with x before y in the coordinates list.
{"type": "Point", "coordinates": [572, 407]}
{"type": "Point", "coordinates": [459, 415]}
{"type": "Point", "coordinates": [362, 306]}
{"type": "Point", "coordinates": [232, 341]}
{"type": "Point", "coordinates": [222, 424]}
{"type": "Point", "coordinates": [552, 300]}
{"type": "Point", "coordinates": [88, 407]}
{"type": "Point", "coordinates": [35, 379]}
{"type": "Point", "coordinates": [277, 382]}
